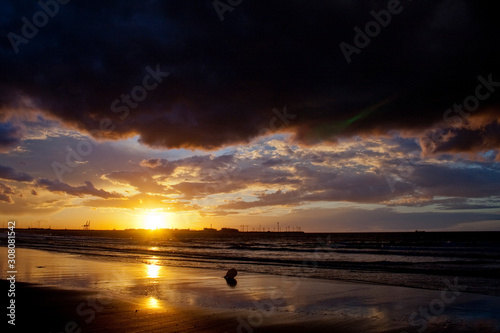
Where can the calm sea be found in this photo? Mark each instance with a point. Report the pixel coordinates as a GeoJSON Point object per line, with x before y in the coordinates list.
{"type": "Point", "coordinates": [419, 259]}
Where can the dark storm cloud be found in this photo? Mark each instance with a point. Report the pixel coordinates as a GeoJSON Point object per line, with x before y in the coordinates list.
{"type": "Point", "coordinates": [10, 135]}
{"type": "Point", "coordinates": [226, 77]}
{"type": "Point", "coordinates": [79, 191]}
{"type": "Point", "coordinates": [453, 140]}
{"type": "Point", "coordinates": [6, 172]}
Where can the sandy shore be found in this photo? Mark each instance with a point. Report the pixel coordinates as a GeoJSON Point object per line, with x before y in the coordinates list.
{"type": "Point", "coordinates": [66, 293]}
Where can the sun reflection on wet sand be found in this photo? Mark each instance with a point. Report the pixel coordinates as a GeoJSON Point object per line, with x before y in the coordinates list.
{"type": "Point", "coordinates": [152, 303]}
{"type": "Point", "coordinates": [153, 271]}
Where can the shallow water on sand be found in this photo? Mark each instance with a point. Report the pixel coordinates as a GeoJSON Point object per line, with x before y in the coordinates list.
{"type": "Point", "coordinates": [272, 298]}
{"type": "Point", "coordinates": [421, 260]}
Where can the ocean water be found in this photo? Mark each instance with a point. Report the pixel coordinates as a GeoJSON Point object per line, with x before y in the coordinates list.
{"type": "Point", "coordinates": [421, 260]}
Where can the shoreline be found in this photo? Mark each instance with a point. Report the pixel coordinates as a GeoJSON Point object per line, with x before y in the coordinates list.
{"type": "Point", "coordinates": [474, 283]}
{"type": "Point", "coordinates": [417, 235]}
{"type": "Point", "coordinates": [190, 300]}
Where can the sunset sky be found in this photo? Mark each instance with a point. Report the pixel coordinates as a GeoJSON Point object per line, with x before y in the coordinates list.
{"type": "Point", "coordinates": [137, 114]}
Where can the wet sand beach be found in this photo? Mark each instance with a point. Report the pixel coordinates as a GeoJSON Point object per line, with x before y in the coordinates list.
{"type": "Point", "coordinates": [58, 292]}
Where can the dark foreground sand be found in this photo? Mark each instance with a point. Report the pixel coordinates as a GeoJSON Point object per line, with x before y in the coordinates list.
{"type": "Point", "coordinates": [67, 293]}
{"type": "Point", "coordinates": [47, 309]}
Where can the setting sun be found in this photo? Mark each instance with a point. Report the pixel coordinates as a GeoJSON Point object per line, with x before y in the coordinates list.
{"type": "Point", "coordinates": [154, 221]}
